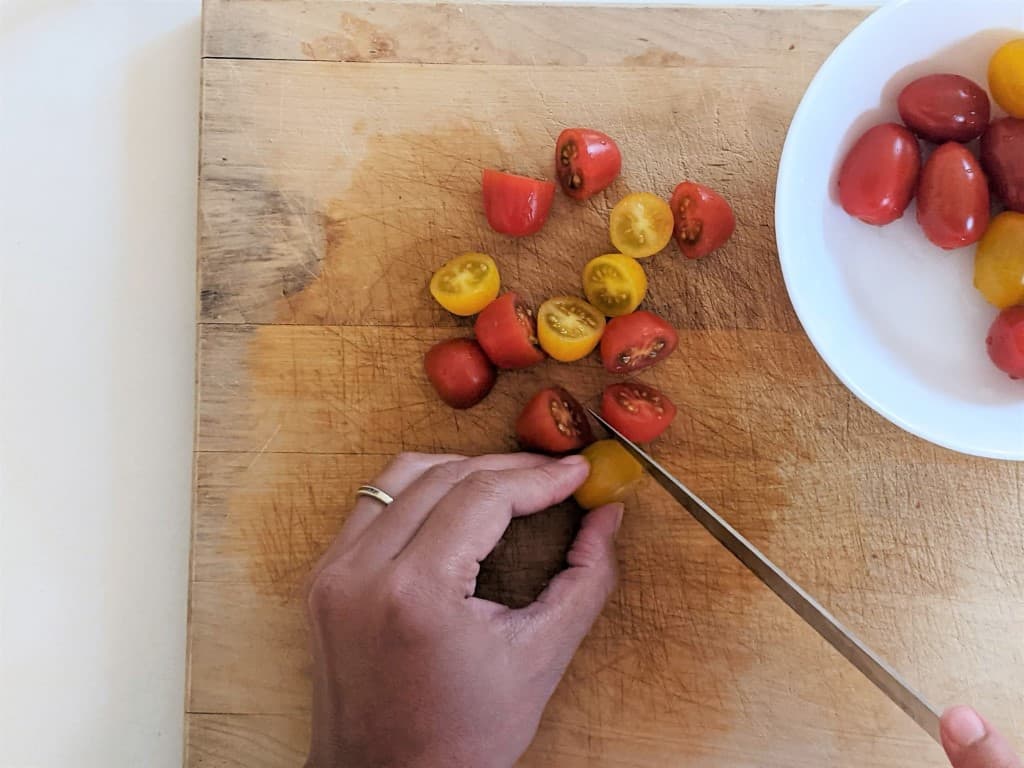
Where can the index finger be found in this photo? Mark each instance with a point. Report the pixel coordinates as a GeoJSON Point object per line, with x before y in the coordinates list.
{"type": "Point", "coordinates": [467, 523]}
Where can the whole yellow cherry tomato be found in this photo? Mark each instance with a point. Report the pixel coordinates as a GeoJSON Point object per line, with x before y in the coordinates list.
{"type": "Point", "coordinates": [614, 283]}
{"type": "Point", "coordinates": [568, 328]}
{"type": "Point", "coordinates": [999, 262]}
{"type": "Point", "coordinates": [466, 284]}
{"type": "Point", "coordinates": [1006, 77]}
{"type": "Point", "coordinates": [640, 224]}
{"type": "Point", "coordinates": [612, 472]}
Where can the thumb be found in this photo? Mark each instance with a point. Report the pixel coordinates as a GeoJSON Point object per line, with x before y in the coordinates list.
{"type": "Point", "coordinates": [565, 611]}
{"type": "Point", "coordinates": [971, 742]}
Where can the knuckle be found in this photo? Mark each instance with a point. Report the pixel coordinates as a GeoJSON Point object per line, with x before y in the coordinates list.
{"type": "Point", "coordinates": [448, 473]}
{"type": "Point", "coordinates": [408, 614]}
{"type": "Point", "coordinates": [327, 593]}
{"type": "Point", "coordinates": [485, 484]}
{"type": "Point", "coordinates": [407, 460]}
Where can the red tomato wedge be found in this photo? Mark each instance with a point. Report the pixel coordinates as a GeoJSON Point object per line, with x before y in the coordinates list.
{"type": "Point", "coordinates": [637, 341]}
{"type": "Point", "coordinates": [704, 221]}
{"type": "Point", "coordinates": [516, 205]}
{"type": "Point", "coordinates": [553, 422]}
{"type": "Point", "coordinates": [586, 161]}
{"type": "Point", "coordinates": [507, 331]}
{"type": "Point", "coordinates": [879, 174]}
{"type": "Point", "coordinates": [637, 410]}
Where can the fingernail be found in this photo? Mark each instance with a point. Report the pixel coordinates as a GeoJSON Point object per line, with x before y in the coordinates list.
{"type": "Point", "coordinates": [618, 517]}
{"type": "Point", "coordinates": [963, 726]}
{"type": "Point", "coordinates": [572, 461]}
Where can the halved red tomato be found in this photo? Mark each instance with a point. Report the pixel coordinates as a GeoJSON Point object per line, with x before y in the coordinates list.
{"type": "Point", "coordinates": [516, 205]}
{"type": "Point", "coordinates": [633, 342]}
{"type": "Point", "coordinates": [553, 422]}
{"type": "Point", "coordinates": [704, 221]}
{"type": "Point", "coordinates": [507, 332]}
{"type": "Point", "coordinates": [586, 161]}
{"type": "Point", "coordinates": [637, 410]}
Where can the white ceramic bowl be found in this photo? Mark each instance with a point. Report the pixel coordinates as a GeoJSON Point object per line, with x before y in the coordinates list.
{"type": "Point", "coordinates": [896, 318]}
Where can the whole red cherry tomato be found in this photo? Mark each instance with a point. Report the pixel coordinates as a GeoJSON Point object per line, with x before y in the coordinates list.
{"type": "Point", "coordinates": [1006, 342]}
{"type": "Point", "coordinates": [943, 108]}
{"type": "Point", "coordinates": [1002, 157]}
{"type": "Point", "coordinates": [637, 341]}
{"type": "Point", "coordinates": [507, 331]}
{"type": "Point", "coordinates": [704, 221]}
{"type": "Point", "coordinates": [879, 174]}
{"type": "Point", "coordinates": [953, 201]}
{"type": "Point", "coordinates": [586, 161]}
{"type": "Point", "coordinates": [459, 371]}
{"type": "Point", "coordinates": [637, 410]}
{"type": "Point", "coordinates": [553, 422]}
{"type": "Point", "coordinates": [516, 205]}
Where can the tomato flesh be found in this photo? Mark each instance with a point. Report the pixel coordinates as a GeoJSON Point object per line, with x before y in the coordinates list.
{"type": "Point", "coordinates": [612, 472]}
{"type": "Point", "coordinates": [586, 162]}
{"type": "Point", "coordinates": [553, 422]}
{"type": "Point", "coordinates": [508, 334]}
{"type": "Point", "coordinates": [639, 411]}
{"type": "Point", "coordinates": [999, 261]}
{"type": "Point", "coordinates": [614, 283]}
{"type": "Point", "coordinates": [1005, 342]}
{"type": "Point", "coordinates": [516, 205]}
{"type": "Point", "coordinates": [637, 341]}
{"type": "Point", "coordinates": [879, 174]}
{"type": "Point", "coordinates": [467, 284]}
{"type": "Point", "coordinates": [704, 220]}
{"type": "Point", "coordinates": [460, 372]}
{"type": "Point", "coordinates": [569, 328]}
{"type": "Point", "coordinates": [941, 108]}
{"type": "Point", "coordinates": [953, 200]}
{"type": "Point", "coordinates": [640, 225]}
{"type": "Point", "coordinates": [1002, 157]}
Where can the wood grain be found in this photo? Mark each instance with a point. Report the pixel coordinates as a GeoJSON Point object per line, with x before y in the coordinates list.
{"type": "Point", "coordinates": [341, 150]}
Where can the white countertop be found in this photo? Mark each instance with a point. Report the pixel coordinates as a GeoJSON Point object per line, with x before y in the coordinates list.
{"type": "Point", "coordinates": [98, 140]}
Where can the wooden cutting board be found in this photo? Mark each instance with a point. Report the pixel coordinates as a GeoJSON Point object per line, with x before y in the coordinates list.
{"type": "Point", "coordinates": [342, 145]}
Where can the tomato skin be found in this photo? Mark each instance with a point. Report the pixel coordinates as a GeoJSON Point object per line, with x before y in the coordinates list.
{"type": "Point", "coordinates": [1006, 77]}
{"type": "Point", "coordinates": [941, 108]}
{"type": "Point", "coordinates": [612, 472]}
{"type": "Point", "coordinates": [586, 162]}
{"type": "Point", "coordinates": [637, 341]}
{"type": "Point", "coordinates": [953, 200]}
{"type": "Point", "coordinates": [704, 220]}
{"type": "Point", "coordinates": [553, 422]}
{"type": "Point", "coordinates": [999, 261]}
{"type": "Point", "coordinates": [879, 174]}
{"type": "Point", "coordinates": [516, 205]}
{"type": "Point", "coordinates": [508, 334]}
{"type": "Point", "coordinates": [460, 372]}
{"type": "Point", "coordinates": [1002, 157]}
{"type": "Point", "coordinates": [1005, 342]}
{"type": "Point", "coordinates": [637, 410]}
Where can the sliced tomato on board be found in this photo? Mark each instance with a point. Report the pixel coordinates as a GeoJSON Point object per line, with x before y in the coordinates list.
{"type": "Point", "coordinates": [637, 341]}
{"type": "Point", "coordinates": [569, 328]}
{"type": "Point", "coordinates": [508, 333]}
{"type": "Point", "coordinates": [637, 410]}
{"type": "Point", "coordinates": [704, 221]}
{"type": "Point", "coordinates": [553, 422]}
{"type": "Point", "coordinates": [516, 205]}
{"type": "Point", "coordinates": [586, 162]}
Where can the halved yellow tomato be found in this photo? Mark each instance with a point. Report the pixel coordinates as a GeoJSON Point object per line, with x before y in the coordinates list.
{"type": "Point", "coordinates": [466, 284]}
{"type": "Point", "coordinates": [569, 328]}
{"type": "Point", "coordinates": [612, 472]}
{"type": "Point", "coordinates": [1006, 77]}
{"type": "Point", "coordinates": [640, 224]}
{"type": "Point", "coordinates": [999, 262]}
{"type": "Point", "coordinates": [614, 283]}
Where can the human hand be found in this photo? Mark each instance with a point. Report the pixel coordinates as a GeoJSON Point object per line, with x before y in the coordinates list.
{"type": "Point", "coordinates": [971, 742]}
{"type": "Point", "coordinates": [409, 668]}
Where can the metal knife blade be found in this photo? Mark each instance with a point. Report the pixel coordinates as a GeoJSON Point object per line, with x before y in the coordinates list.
{"type": "Point", "coordinates": [810, 610]}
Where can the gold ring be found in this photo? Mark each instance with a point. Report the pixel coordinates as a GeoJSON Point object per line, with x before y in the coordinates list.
{"type": "Point", "coordinates": [373, 492]}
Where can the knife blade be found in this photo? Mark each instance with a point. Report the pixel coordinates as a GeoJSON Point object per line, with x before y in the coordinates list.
{"type": "Point", "coordinates": [873, 667]}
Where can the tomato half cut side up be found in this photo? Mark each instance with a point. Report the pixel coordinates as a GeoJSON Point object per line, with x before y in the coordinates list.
{"type": "Point", "coordinates": [516, 205]}
{"type": "Point", "coordinates": [614, 283]}
{"type": "Point", "coordinates": [553, 422]}
{"type": "Point", "coordinates": [586, 162]}
{"type": "Point", "coordinates": [569, 328]}
{"type": "Point", "coordinates": [508, 334]}
{"type": "Point", "coordinates": [640, 224]}
{"type": "Point", "coordinates": [704, 220]}
{"type": "Point", "coordinates": [466, 284]}
{"type": "Point", "coordinates": [637, 341]}
{"type": "Point", "coordinates": [637, 410]}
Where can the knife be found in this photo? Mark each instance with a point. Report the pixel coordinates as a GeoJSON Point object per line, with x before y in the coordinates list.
{"type": "Point", "coordinates": [810, 610]}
